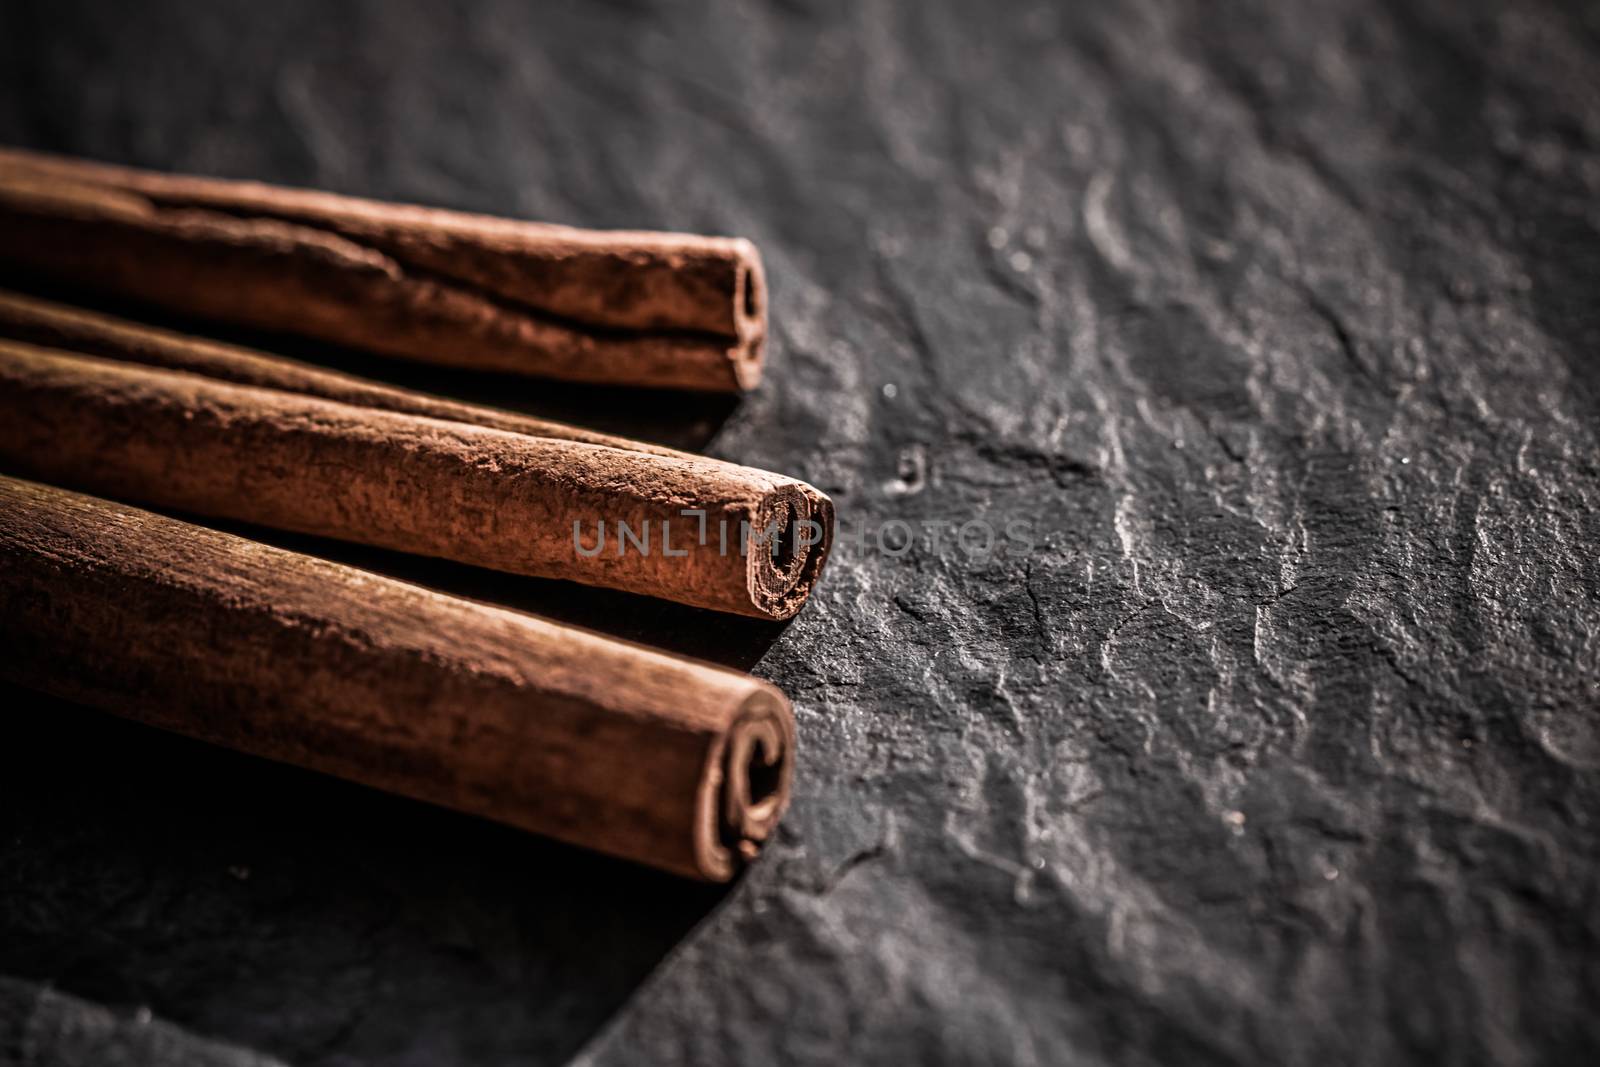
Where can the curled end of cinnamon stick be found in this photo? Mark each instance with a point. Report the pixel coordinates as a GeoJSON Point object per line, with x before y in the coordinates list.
{"type": "Point", "coordinates": [796, 526]}
{"type": "Point", "coordinates": [748, 352]}
{"type": "Point", "coordinates": [747, 789]}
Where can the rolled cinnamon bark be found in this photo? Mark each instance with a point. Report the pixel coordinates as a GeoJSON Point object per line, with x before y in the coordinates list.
{"type": "Point", "coordinates": [672, 763]}
{"type": "Point", "coordinates": [700, 532]}
{"type": "Point", "coordinates": [618, 307]}
{"type": "Point", "coordinates": [52, 325]}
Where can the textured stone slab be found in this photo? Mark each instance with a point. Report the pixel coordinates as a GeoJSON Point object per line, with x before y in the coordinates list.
{"type": "Point", "coordinates": [1276, 324]}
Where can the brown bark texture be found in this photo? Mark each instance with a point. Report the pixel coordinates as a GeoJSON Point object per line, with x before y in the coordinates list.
{"type": "Point", "coordinates": [50, 324]}
{"type": "Point", "coordinates": [446, 287]}
{"type": "Point", "coordinates": [600, 743]}
{"type": "Point", "coordinates": [752, 543]}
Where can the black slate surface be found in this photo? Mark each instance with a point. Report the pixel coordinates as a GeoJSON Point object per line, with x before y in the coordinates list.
{"type": "Point", "coordinates": [1275, 322]}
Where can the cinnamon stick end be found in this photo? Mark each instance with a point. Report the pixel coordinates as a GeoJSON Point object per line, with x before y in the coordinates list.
{"type": "Point", "coordinates": [748, 353]}
{"type": "Point", "coordinates": [748, 791]}
{"type": "Point", "coordinates": [796, 524]}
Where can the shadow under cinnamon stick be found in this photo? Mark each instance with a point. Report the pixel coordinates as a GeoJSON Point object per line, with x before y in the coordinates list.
{"type": "Point", "coordinates": [734, 641]}
{"type": "Point", "coordinates": [369, 904]}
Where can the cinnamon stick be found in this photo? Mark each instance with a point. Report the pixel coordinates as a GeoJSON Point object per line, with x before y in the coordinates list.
{"type": "Point", "coordinates": [52, 325]}
{"type": "Point", "coordinates": [603, 744]}
{"type": "Point", "coordinates": [446, 287]}
{"type": "Point", "coordinates": [548, 507]}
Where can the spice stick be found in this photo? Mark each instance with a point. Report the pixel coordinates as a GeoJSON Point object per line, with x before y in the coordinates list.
{"type": "Point", "coordinates": [52, 325]}
{"type": "Point", "coordinates": [600, 743]}
{"type": "Point", "coordinates": [530, 505]}
{"type": "Point", "coordinates": [78, 330]}
{"type": "Point", "coordinates": [618, 307]}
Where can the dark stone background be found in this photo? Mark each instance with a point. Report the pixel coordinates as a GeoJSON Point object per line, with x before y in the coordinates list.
{"type": "Point", "coordinates": [1277, 321]}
